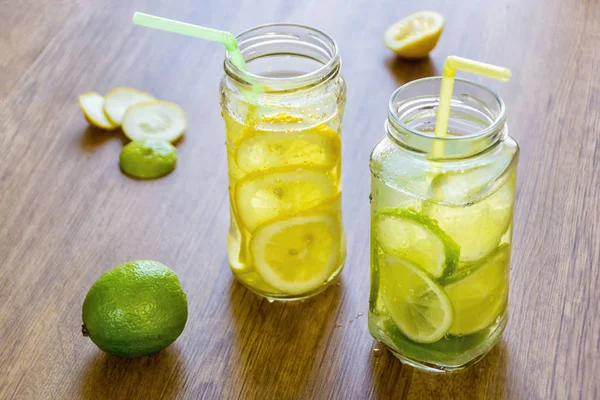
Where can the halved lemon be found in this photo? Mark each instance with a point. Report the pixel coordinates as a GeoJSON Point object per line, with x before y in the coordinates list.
{"type": "Point", "coordinates": [91, 104]}
{"type": "Point", "coordinates": [416, 35]}
{"type": "Point", "coordinates": [262, 196]}
{"type": "Point", "coordinates": [154, 120]}
{"type": "Point", "coordinates": [118, 100]}
{"type": "Point", "coordinates": [297, 255]}
{"type": "Point", "coordinates": [318, 146]}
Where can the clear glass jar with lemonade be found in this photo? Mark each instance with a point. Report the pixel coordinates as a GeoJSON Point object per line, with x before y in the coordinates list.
{"type": "Point", "coordinates": [441, 226]}
{"type": "Point", "coordinates": [286, 240]}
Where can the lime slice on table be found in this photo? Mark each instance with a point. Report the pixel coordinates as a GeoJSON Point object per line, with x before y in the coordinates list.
{"type": "Point", "coordinates": [479, 294]}
{"type": "Point", "coordinates": [263, 196]}
{"type": "Point", "coordinates": [419, 307]}
{"type": "Point", "coordinates": [476, 224]}
{"type": "Point", "coordinates": [118, 100]}
{"type": "Point", "coordinates": [296, 255]}
{"type": "Point", "coordinates": [148, 159]}
{"type": "Point", "coordinates": [91, 104]}
{"type": "Point", "coordinates": [416, 238]}
{"type": "Point", "coordinates": [318, 146]}
{"type": "Point", "coordinates": [154, 120]}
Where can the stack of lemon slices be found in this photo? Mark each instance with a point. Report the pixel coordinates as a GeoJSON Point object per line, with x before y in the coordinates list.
{"type": "Point", "coordinates": [152, 125]}
{"type": "Point", "coordinates": [287, 204]}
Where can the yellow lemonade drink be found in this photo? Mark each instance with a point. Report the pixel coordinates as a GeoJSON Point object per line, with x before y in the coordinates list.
{"type": "Point", "coordinates": [286, 239]}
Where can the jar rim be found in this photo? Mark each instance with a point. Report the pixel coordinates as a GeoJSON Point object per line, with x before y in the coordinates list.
{"type": "Point", "coordinates": [311, 78]}
{"type": "Point", "coordinates": [496, 124]}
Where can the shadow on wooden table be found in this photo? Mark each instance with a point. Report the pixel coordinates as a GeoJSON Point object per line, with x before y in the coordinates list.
{"type": "Point", "coordinates": [110, 377]}
{"type": "Point", "coordinates": [405, 70]}
{"type": "Point", "coordinates": [92, 138]}
{"type": "Point", "coordinates": [485, 380]}
{"type": "Point", "coordinates": [276, 347]}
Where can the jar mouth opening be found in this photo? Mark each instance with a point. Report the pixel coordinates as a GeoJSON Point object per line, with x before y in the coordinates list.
{"type": "Point", "coordinates": [395, 115]}
{"type": "Point", "coordinates": [285, 39]}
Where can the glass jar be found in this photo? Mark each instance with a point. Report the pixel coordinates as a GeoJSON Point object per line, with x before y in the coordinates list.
{"type": "Point", "coordinates": [441, 225]}
{"type": "Point", "coordinates": [283, 122]}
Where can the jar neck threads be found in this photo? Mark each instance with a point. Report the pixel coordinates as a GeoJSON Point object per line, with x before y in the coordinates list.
{"type": "Point", "coordinates": [285, 57]}
{"type": "Point", "coordinates": [477, 118]}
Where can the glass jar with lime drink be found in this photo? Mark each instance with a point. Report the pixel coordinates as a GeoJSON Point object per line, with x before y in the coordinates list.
{"type": "Point", "coordinates": [283, 121]}
{"type": "Point", "coordinates": [442, 210]}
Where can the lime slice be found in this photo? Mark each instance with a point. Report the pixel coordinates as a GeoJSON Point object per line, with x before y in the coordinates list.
{"type": "Point", "coordinates": [154, 120]}
{"type": "Point", "coordinates": [418, 306]}
{"type": "Point", "coordinates": [91, 104]}
{"type": "Point", "coordinates": [118, 100]}
{"type": "Point", "coordinates": [319, 146]}
{"type": "Point", "coordinates": [262, 196]}
{"type": "Point", "coordinates": [482, 293]}
{"type": "Point", "coordinates": [416, 238]}
{"type": "Point", "coordinates": [148, 159]}
{"type": "Point", "coordinates": [297, 255]}
{"type": "Point", "coordinates": [478, 226]}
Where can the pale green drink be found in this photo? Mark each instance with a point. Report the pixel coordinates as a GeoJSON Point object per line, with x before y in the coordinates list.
{"type": "Point", "coordinates": [441, 231]}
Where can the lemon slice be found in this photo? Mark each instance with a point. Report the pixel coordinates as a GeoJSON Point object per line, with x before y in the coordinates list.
{"type": "Point", "coordinates": [154, 120]}
{"type": "Point", "coordinates": [319, 146]}
{"type": "Point", "coordinates": [419, 307]}
{"type": "Point", "coordinates": [481, 295]}
{"type": "Point", "coordinates": [118, 100]}
{"type": "Point", "coordinates": [297, 255]}
{"type": "Point", "coordinates": [262, 196]}
{"type": "Point", "coordinates": [479, 224]}
{"type": "Point", "coordinates": [416, 238]}
{"type": "Point", "coordinates": [91, 104]}
{"type": "Point", "coordinates": [416, 35]}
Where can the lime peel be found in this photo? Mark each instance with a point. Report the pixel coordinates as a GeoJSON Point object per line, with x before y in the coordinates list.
{"type": "Point", "coordinates": [135, 309]}
{"type": "Point", "coordinates": [148, 159]}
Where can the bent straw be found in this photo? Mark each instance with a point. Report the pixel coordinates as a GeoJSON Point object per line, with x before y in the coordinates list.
{"type": "Point", "coordinates": [197, 31]}
{"type": "Point", "coordinates": [443, 113]}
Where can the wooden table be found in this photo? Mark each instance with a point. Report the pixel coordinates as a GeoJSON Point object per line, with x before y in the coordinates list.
{"type": "Point", "coordinates": [67, 214]}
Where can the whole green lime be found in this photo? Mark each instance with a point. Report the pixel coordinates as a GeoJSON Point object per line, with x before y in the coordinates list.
{"type": "Point", "coordinates": [148, 159]}
{"type": "Point", "coordinates": [135, 309]}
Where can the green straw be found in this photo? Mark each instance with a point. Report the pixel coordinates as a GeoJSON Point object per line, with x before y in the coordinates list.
{"type": "Point", "coordinates": [200, 32]}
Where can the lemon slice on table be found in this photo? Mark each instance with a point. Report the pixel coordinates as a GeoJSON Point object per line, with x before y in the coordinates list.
{"type": "Point", "coordinates": [296, 255]}
{"type": "Point", "coordinates": [262, 196]}
{"type": "Point", "coordinates": [419, 307]}
{"type": "Point", "coordinates": [416, 35]}
{"type": "Point", "coordinates": [416, 238]}
{"type": "Point", "coordinates": [118, 100]}
{"type": "Point", "coordinates": [481, 295]}
{"type": "Point", "coordinates": [154, 120]}
{"type": "Point", "coordinates": [319, 146]}
{"type": "Point", "coordinates": [91, 104]}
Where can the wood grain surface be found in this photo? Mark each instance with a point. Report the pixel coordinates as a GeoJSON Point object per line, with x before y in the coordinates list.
{"type": "Point", "coordinates": [67, 214]}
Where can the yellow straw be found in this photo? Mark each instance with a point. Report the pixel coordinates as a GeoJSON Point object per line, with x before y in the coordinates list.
{"type": "Point", "coordinates": [443, 113]}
